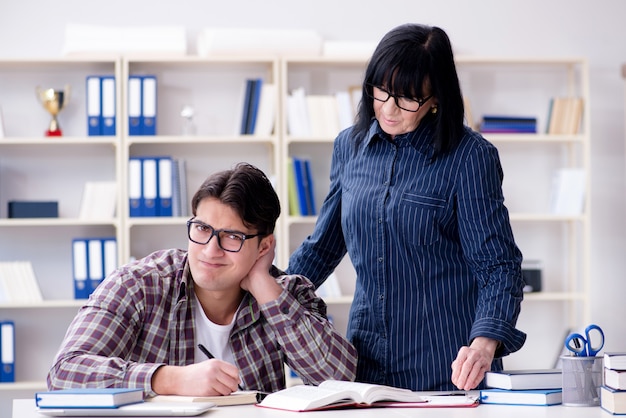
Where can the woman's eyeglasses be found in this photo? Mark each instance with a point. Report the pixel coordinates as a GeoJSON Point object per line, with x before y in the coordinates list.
{"type": "Point", "coordinates": [404, 103]}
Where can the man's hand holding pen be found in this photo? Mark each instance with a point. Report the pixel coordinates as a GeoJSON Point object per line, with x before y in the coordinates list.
{"type": "Point", "coordinates": [224, 369]}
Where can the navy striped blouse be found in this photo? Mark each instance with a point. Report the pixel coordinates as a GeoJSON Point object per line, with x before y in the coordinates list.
{"type": "Point", "coordinates": [433, 249]}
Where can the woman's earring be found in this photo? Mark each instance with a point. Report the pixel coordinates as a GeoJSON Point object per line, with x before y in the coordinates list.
{"type": "Point", "coordinates": [433, 110]}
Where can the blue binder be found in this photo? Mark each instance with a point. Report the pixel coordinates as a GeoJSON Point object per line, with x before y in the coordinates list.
{"type": "Point", "coordinates": [102, 259]}
{"type": "Point", "coordinates": [109, 255]}
{"type": "Point", "coordinates": [80, 268]}
{"type": "Point", "coordinates": [95, 263]}
{"type": "Point", "coordinates": [149, 186]}
{"type": "Point", "coordinates": [94, 105]}
{"type": "Point", "coordinates": [134, 186]}
{"type": "Point", "coordinates": [108, 120]}
{"type": "Point", "coordinates": [148, 105]}
{"type": "Point", "coordinates": [164, 194]}
{"type": "Point", "coordinates": [7, 351]}
{"type": "Point", "coordinates": [134, 105]}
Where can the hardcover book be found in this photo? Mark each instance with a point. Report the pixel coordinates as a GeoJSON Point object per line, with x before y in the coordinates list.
{"type": "Point", "coordinates": [615, 379]}
{"type": "Point", "coordinates": [543, 397]}
{"type": "Point", "coordinates": [613, 401]}
{"type": "Point", "coordinates": [524, 379]}
{"type": "Point", "coordinates": [615, 360]}
{"type": "Point", "coordinates": [88, 398]}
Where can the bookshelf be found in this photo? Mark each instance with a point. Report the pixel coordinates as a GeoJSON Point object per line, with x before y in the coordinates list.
{"type": "Point", "coordinates": [317, 76]}
{"type": "Point", "coordinates": [214, 88]}
{"type": "Point", "coordinates": [561, 243]}
{"type": "Point", "coordinates": [35, 167]}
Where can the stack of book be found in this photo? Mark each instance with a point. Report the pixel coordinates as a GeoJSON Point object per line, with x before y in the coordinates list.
{"type": "Point", "coordinates": [321, 115]}
{"type": "Point", "coordinates": [541, 387]}
{"type": "Point", "coordinates": [613, 392]}
{"type": "Point", "coordinates": [508, 124]}
{"type": "Point", "coordinates": [18, 283]}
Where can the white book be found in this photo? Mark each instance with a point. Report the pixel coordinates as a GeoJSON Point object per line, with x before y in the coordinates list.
{"type": "Point", "coordinates": [568, 194]}
{"type": "Point", "coordinates": [267, 110]}
{"type": "Point", "coordinates": [530, 379]}
{"type": "Point", "coordinates": [12, 282]}
{"type": "Point", "coordinates": [30, 286]}
{"type": "Point", "coordinates": [18, 282]}
{"type": "Point", "coordinates": [345, 110]}
{"type": "Point", "coordinates": [5, 296]}
{"type": "Point", "coordinates": [99, 200]}
{"type": "Point", "coordinates": [323, 115]}
{"type": "Point", "coordinates": [298, 113]}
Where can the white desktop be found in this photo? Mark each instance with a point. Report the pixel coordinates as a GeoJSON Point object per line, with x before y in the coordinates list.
{"type": "Point", "coordinates": [25, 408]}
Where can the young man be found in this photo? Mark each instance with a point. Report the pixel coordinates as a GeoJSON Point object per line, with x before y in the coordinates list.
{"type": "Point", "coordinates": [210, 319]}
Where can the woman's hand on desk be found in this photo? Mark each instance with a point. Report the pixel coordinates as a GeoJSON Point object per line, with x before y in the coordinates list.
{"type": "Point", "coordinates": [208, 378]}
{"type": "Point", "coordinates": [471, 363]}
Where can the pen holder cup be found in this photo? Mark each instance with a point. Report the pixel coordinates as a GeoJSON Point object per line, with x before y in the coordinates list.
{"type": "Point", "coordinates": [582, 378]}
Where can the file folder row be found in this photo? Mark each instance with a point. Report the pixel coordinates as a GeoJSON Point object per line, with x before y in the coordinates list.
{"type": "Point", "coordinates": [142, 104]}
{"type": "Point", "coordinates": [101, 105]}
{"type": "Point", "coordinates": [157, 186]}
{"type": "Point", "coordinates": [93, 259]}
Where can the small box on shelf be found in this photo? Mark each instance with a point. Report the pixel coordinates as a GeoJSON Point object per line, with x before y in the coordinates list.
{"type": "Point", "coordinates": [33, 209]}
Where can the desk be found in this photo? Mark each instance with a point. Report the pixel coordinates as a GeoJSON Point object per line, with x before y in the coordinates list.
{"type": "Point", "coordinates": [25, 408]}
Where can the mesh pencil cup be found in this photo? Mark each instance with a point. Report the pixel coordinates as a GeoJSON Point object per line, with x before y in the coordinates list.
{"type": "Point", "coordinates": [582, 378]}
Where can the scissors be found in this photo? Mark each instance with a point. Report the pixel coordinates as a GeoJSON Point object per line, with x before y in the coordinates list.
{"type": "Point", "coordinates": [583, 346]}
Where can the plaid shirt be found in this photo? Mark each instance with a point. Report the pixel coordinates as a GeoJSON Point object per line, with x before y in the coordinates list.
{"type": "Point", "coordinates": [141, 317]}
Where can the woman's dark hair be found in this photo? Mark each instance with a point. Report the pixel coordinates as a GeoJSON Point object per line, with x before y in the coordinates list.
{"type": "Point", "coordinates": [246, 190]}
{"type": "Point", "coordinates": [409, 59]}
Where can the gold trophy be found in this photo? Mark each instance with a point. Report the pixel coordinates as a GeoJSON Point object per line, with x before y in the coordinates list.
{"type": "Point", "coordinates": [53, 101]}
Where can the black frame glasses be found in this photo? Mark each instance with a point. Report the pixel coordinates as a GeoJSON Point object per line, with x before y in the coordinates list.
{"type": "Point", "coordinates": [230, 237]}
{"type": "Point", "coordinates": [401, 101]}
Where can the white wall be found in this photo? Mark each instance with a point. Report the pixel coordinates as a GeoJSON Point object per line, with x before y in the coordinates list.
{"type": "Point", "coordinates": [596, 30]}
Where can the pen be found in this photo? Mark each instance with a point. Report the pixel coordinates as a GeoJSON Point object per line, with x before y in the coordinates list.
{"type": "Point", "coordinates": [211, 356]}
{"type": "Point", "coordinates": [205, 351]}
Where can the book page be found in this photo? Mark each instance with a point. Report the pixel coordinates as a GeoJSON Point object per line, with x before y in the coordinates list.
{"type": "Point", "coordinates": [370, 393]}
{"type": "Point", "coordinates": [302, 398]}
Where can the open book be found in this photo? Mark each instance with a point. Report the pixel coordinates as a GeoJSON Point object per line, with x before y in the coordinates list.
{"type": "Point", "coordinates": [241, 397]}
{"type": "Point", "coordinates": [341, 394]}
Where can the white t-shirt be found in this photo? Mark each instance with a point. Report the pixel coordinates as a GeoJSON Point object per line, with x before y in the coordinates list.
{"type": "Point", "coordinates": [213, 336]}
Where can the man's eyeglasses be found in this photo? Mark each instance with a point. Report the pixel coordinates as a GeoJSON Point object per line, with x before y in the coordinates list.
{"type": "Point", "coordinates": [227, 240]}
{"type": "Point", "coordinates": [404, 103]}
